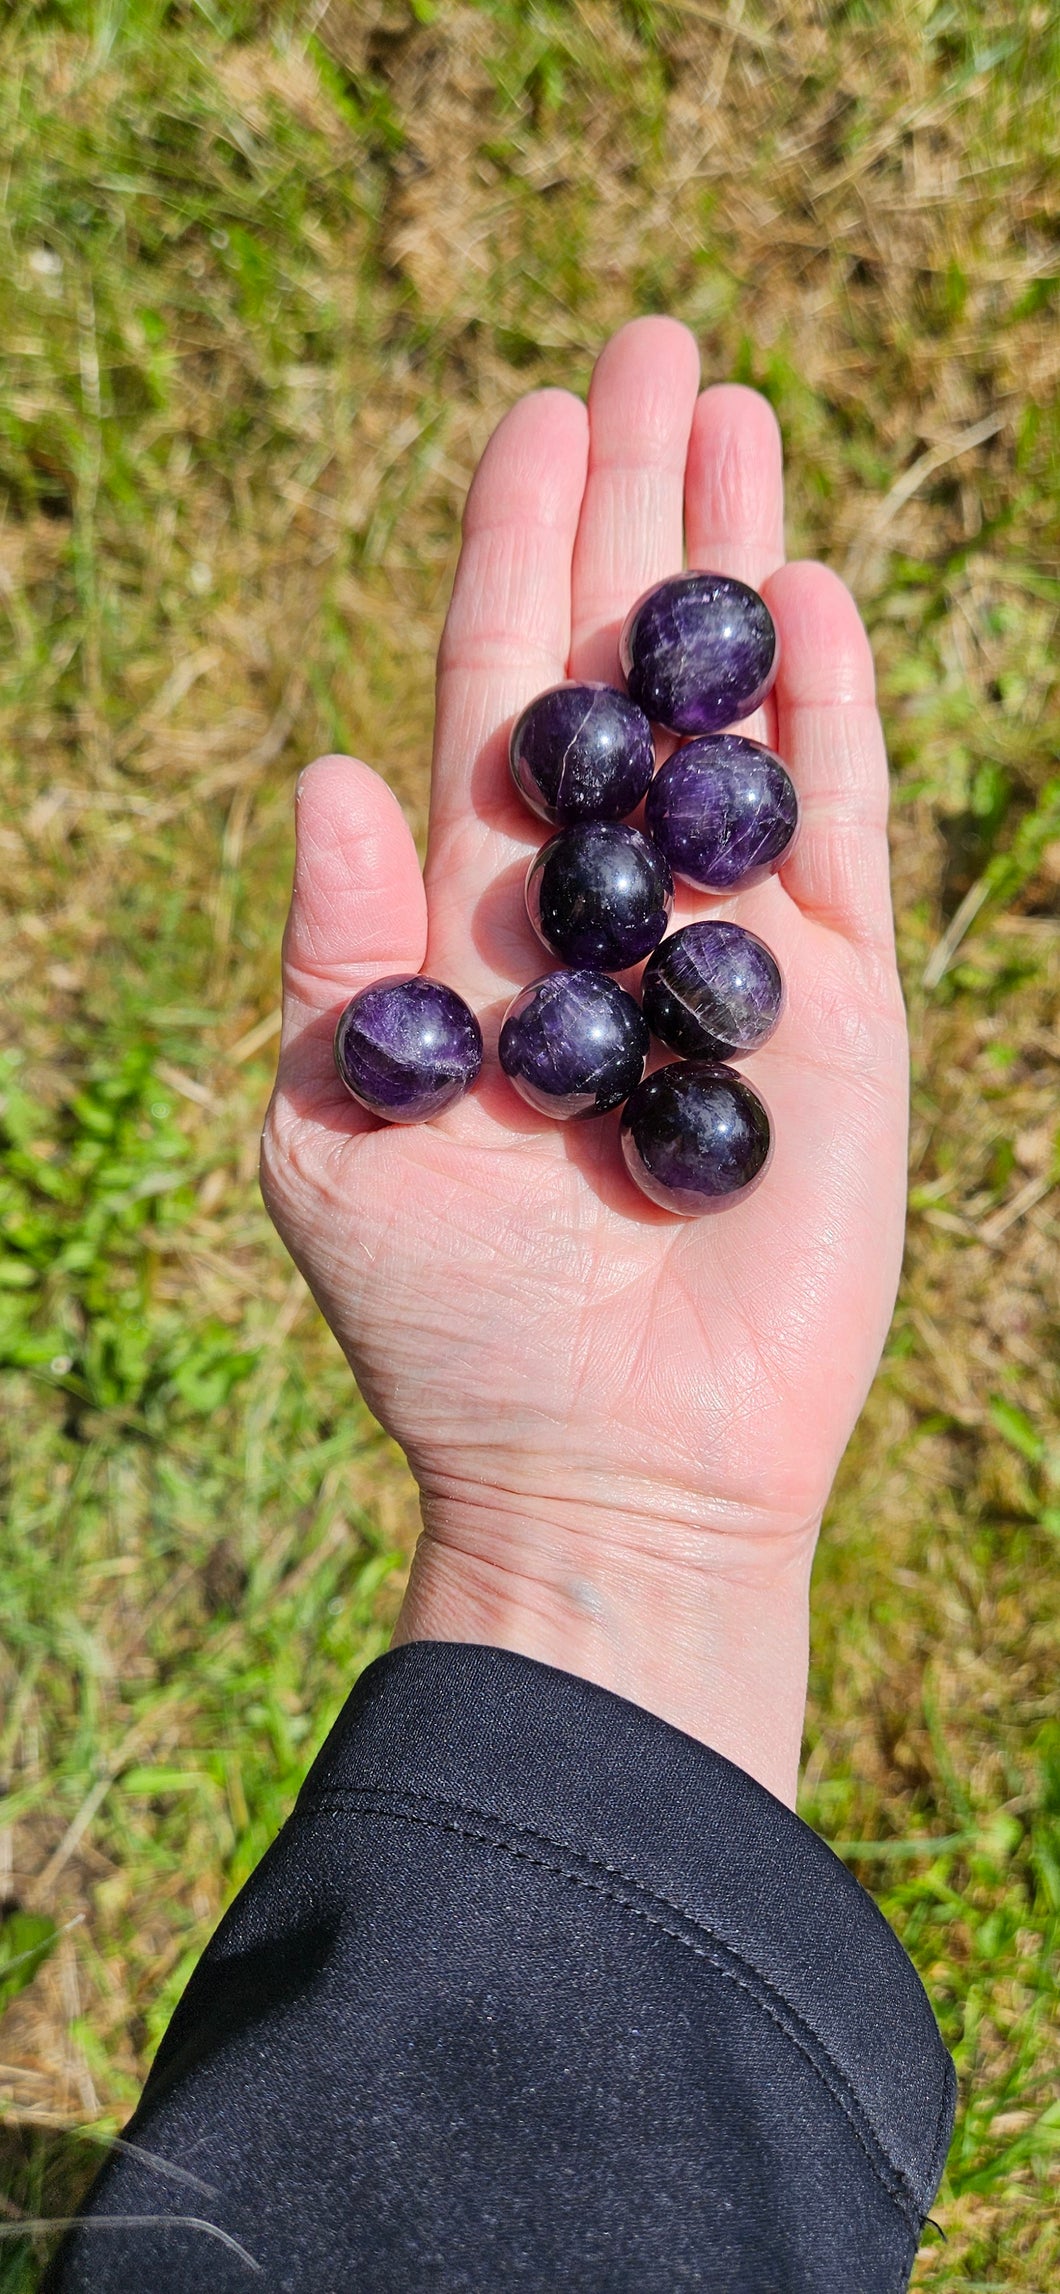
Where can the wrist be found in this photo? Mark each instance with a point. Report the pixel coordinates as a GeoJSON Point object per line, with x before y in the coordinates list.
{"type": "Point", "coordinates": [701, 1622]}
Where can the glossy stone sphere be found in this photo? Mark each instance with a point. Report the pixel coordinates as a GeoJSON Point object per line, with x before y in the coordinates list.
{"type": "Point", "coordinates": [724, 812]}
{"type": "Point", "coordinates": [695, 1137]}
{"type": "Point", "coordinates": [574, 1043]}
{"type": "Point", "coordinates": [407, 1047]}
{"type": "Point", "coordinates": [712, 991]}
{"type": "Point", "coordinates": [582, 752]}
{"type": "Point", "coordinates": [699, 651]}
{"type": "Point", "coordinates": [600, 894]}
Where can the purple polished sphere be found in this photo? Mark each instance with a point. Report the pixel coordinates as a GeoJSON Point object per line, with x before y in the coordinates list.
{"type": "Point", "coordinates": [574, 1043]}
{"type": "Point", "coordinates": [699, 651]}
{"type": "Point", "coordinates": [695, 1137]}
{"type": "Point", "coordinates": [724, 812]}
{"type": "Point", "coordinates": [711, 991]}
{"type": "Point", "coordinates": [582, 752]}
{"type": "Point", "coordinates": [600, 894]}
{"type": "Point", "coordinates": [407, 1047]}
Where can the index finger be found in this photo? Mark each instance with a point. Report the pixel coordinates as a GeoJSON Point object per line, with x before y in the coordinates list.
{"type": "Point", "coordinates": [506, 638]}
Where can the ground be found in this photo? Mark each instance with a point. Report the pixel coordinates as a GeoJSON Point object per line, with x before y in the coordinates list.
{"type": "Point", "coordinates": [269, 274]}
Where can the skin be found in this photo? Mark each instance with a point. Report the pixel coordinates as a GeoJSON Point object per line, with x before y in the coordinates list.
{"type": "Point", "coordinates": [624, 1425]}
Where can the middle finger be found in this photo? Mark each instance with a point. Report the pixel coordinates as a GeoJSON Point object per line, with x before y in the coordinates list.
{"type": "Point", "coordinates": [641, 402]}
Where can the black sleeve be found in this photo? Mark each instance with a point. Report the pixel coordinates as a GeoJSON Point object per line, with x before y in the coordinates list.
{"type": "Point", "coordinates": [531, 1991]}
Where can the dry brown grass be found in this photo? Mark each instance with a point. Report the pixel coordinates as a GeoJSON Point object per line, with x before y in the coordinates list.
{"type": "Point", "coordinates": [235, 470]}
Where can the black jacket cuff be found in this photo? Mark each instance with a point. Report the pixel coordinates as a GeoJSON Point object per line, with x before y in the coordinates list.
{"type": "Point", "coordinates": [531, 1990]}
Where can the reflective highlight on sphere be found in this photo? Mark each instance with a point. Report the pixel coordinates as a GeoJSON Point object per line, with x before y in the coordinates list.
{"type": "Point", "coordinates": [574, 1043]}
{"type": "Point", "coordinates": [724, 812]}
{"type": "Point", "coordinates": [582, 752]}
{"type": "Point", "coordinates": [699, 651]}
{"type": "Point", "coordinates": [695, 1137]}
{"type": "Point", "coordinates": [600, 895]}
{"type": "Point", "coordinates": [405, 1048]}
{"type": "Point", "coordinates": [712, 991]}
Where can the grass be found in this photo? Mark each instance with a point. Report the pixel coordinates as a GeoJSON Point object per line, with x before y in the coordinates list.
{"type": "Point", "coordinates": [269, 275]}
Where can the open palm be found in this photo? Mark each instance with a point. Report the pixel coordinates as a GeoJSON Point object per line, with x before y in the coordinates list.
{"type": "Point", "coordinates": [578, 1377]}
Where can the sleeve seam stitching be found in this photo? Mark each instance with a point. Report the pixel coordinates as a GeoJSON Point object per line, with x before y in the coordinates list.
{"type": "Point", "coordinates": [838, 2086]}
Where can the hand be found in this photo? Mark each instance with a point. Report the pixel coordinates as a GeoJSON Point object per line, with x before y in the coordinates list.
{"type": "Point", "coordinates": [624, 1425]}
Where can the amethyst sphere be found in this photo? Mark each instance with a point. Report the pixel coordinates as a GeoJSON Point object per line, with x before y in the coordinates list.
{"type": "Point", "coordinates": [695, 1137]}
{"type": "Point", "coordinates": [574, 1043]}
{"type": "Point", "coordinates": [600, 894]}
{"type": "Point", "coordinates": [724, 812]}
{"type": "Point", "coordinates": [406, 1048]}
{"type": "Point", "coordinates": [712, 991]}
{"type": "Point", "coordinates": [582, 752]}
{"type": "Point", "coordinates": [699, 651]}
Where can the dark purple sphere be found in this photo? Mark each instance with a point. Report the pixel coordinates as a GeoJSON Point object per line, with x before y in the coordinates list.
{"type": "Point", "coordinates": [724, 812]}
{"type": "Point", "coordinates": [712, 991]}
{"type": "Point", "coordinates": [582, 752]}
{"type": "Point", "coordinates": [407, 1047]}
{"type": "Point", "coordinates": [600, 894]}
{"type": "Point", "coordinates": [574, 1043]}
{"type": "Point", "coordinates": [699, 651]}
{"type": "Point", "coordinates": [695, 1137]}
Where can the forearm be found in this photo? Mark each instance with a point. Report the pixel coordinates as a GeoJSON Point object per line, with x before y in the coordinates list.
{"type": "Point", "coordinates": [704, 1626]}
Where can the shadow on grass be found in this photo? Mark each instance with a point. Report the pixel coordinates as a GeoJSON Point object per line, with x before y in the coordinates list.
{"type": "Point", "coordinates": [45, 2173]}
